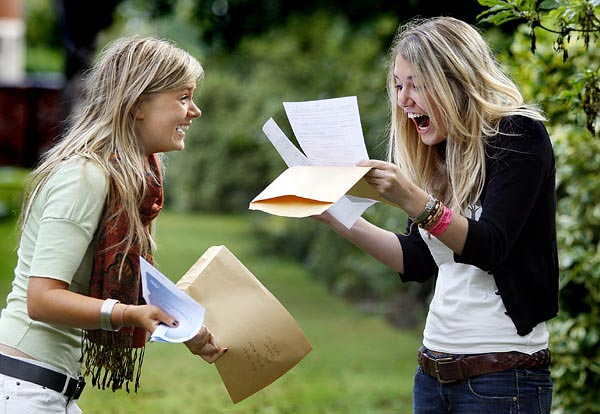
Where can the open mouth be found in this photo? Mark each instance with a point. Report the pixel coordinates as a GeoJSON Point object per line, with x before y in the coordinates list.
{"type": "Point", "coordinates": [422, 122]}
{"type": "Point", "coordinates": [181, 129]}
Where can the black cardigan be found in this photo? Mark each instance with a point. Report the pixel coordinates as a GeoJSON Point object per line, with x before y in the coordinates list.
{"type": "Point", "coordinates": [515, 237]}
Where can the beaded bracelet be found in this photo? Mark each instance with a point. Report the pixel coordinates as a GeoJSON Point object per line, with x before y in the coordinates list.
{"type": "Point", "coordinates": [433, 217]}
{"type": "Point", "coordinates": [429, 205]}
{"type": "Point", "coordinates": [105, 314]}
{"type": "Point", "coordinates": [442, 224]}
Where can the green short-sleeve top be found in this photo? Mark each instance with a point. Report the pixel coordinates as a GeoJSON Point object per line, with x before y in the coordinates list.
{"type": "Point", "coordinates": [57, 242]}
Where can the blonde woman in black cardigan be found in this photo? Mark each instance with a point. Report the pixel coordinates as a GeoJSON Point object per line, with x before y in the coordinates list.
{"type": "Point", "coordinates": [473, 167]}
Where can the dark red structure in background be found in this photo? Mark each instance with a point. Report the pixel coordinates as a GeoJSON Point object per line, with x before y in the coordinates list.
{"type": "Point", "coordinates": [29, 122]}
{"type": "Point", "coordinates": [32, 111]}
{"type": "Point", "coordinates": [28, 115]}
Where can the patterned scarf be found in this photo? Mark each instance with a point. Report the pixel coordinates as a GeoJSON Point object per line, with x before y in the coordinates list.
{"type": "Point", "coordinates": [115, 358]}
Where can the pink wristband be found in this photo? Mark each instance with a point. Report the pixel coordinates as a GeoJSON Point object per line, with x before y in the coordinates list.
{"type": "Point", "coordinates": [442, 225]}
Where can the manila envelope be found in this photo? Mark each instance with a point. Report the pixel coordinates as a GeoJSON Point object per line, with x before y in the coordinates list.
{"type": "Point", "coordinates": [303, 191]}
{"type": "Point", "coordinates": [263, 339]}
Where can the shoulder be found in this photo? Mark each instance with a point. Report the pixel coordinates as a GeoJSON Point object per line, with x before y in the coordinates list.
{"type": "Point", "coordinates": [80, 173]}
{"type": "Point", "coordinates": [77, 185]}
{"type": "Point", "coordinates": [521, 134]}
{"type": "Point", "coordinates": [520, 124]}
{"type": "Point", "coordinates": [79, 167]}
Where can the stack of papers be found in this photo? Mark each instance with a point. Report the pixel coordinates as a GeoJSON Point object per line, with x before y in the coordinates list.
{"type": "Point", "coordinates": [324, 177]}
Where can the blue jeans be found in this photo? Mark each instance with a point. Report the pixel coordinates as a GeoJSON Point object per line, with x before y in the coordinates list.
{"type": "Point", "coordinates": [516, 391]}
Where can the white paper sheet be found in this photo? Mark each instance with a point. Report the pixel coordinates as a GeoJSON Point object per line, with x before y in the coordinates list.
{"type": "Point", "coordinates": [159, 290]}
{"type": "Point", "coordinates": [328, 130]}
{"type": "Point", "coordinates": [290, 154]}
{"type": "Point", "coordinates": [329, 133]}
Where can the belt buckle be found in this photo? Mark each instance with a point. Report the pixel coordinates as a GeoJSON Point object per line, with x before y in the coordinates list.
{"type": "Point", "coordinates": [436, 362]}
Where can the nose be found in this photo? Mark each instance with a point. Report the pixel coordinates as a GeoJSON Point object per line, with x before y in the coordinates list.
{"type": "Point", "coordinates": [194, 111]}
{"type": "Point", "coordinates": [403, 97]}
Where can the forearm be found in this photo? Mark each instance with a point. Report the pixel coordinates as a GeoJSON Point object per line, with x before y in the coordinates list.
{"type": "Point", "coordinates": [391, 184]}
{"type": "Point", "coordinates": [456, 234]}
{"type": "Point", "coordinates": [50, 301]}
{"type": "Point", "coordinates": [383, 245]}
{"type": "Point", "coordinates": [60, 306]}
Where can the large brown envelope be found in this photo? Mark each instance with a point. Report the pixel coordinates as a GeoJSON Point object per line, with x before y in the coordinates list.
{"type": "Point", "coordinates": [264, 340]}
{"type": "Point", "coordinates": [303, 191]}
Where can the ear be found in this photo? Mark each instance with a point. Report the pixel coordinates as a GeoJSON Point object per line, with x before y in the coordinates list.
{"type": "Point", "coordinates": [138, 110]}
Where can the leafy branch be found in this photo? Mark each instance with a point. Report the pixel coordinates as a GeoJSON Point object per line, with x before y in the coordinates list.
{"type": "Point", "coordinates": [562, 18]}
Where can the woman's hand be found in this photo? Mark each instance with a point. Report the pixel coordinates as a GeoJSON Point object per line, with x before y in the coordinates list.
{"type": "Point", "coordinates": [205, 346]}
{"type": "Point", "coordinates": [387, 179]}
{"type": "Point", "coordinates": [143, 316]}
{"type": "Point", "coordinates": [325, 218]}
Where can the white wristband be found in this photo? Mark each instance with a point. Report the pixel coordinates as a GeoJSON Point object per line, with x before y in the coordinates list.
{"type": "Point", "coordinates": [105, 314]}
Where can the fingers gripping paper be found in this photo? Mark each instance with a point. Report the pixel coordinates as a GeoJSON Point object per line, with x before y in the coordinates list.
{"type": "Point", "coordinates": [264, 340]}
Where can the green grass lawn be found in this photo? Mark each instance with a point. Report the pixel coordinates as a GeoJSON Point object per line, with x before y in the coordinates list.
{"type": "Point", "coordinates": [359, 363]}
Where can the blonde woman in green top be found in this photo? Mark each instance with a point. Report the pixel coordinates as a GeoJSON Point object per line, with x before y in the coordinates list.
{"type": "Point", "coordinates": [86, 219]}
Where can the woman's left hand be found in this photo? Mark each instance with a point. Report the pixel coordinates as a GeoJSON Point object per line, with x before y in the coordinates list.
{"type": "Point", "coordinates": [387, 179]}
{"type": "Point", "coordinates": [205, 346]}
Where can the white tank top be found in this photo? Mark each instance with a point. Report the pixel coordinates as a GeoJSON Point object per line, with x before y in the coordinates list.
{"type": "Point", "coordinates": [466, 314]}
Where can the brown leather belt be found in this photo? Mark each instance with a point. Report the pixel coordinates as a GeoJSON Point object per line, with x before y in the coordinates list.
{"type": "Point", "coordinates": [448, 368]}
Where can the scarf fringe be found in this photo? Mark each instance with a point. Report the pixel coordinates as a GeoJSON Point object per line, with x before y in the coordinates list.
{"type": "Point", "coordinates": [111, 361]}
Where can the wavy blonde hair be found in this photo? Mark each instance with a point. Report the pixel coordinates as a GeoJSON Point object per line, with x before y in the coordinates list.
{"type": "Point", "coordinates": [463, 79]}
{"type": "Point", "coordinates": [102, 127]}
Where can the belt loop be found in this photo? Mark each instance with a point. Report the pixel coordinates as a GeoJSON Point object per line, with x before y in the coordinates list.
{"type": "Point", "coordinates": [65, 387]}
{"type": "Point", "coordinates": [79, 385]}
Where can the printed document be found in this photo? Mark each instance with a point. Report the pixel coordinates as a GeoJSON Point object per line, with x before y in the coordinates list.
{"type": "Point", "coordinates": [328, 130]}
{"type": "Point", "coordinates": [159, 290]}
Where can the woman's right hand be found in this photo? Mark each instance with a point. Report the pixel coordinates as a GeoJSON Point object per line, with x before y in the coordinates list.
{"type": "Point", "coordinates": [143, 316]}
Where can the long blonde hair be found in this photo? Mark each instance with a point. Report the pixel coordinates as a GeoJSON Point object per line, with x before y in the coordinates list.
{"type": "Point", "coordinates": [102, 127]}
{"type": "Point", "coordinates": [464, 80]}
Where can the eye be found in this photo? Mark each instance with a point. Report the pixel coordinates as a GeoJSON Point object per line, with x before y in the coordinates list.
{"type": "Point", "coordinates": [399, 87]}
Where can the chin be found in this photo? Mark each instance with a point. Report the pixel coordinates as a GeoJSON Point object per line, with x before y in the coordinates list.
{"type": "Point", "coordinates": [432, 139]}
{"type": "Point", "coordinates": [429, 140]}
{"type": "Point", "coordinates": [178, 146]}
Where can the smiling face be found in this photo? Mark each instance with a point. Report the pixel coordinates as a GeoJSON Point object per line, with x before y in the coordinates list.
{"type": "Point", "coordinates": [162, 119]}
{"type": "Point", "coordinates": [411, 100]}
